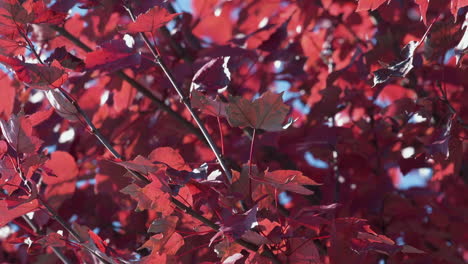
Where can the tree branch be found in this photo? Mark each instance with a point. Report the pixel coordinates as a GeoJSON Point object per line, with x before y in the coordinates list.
{"type": "Point", "coordinates": [184, 99]}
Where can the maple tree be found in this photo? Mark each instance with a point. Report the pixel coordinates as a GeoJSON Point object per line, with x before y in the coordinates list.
{"type": "Point", "coordinates": [233, 132]}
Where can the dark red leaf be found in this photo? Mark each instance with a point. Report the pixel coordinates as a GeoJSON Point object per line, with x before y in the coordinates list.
{"type": "Point", "coordinates": [212, 76]}
{"type": "Point", "coordinates": [66, 59]}
{"type": "Point", "coordinates": [112, 56]}
{"type": "Point", "coordinates": [18, 132]}
{"type": "Point", "coordinates": [36, 75]}
{"type": "Point", "coordinates": [207, 105]}
{"type": "Point", "coordinates": [42, 14]}
{"type": "Point", "coordinates": [400, 68]}
{"type": "Point", "coordinates": [288, 180]}
{"type": "Point", "coordinates": [7, 213]}
{"type": "Point", "coordinates": [267, 112]}
{"type": "Point", "coordinates": [150, 197]}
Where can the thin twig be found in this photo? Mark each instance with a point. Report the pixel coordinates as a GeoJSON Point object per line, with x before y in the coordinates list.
{"type": "Point", "coordinates": [184, 99]}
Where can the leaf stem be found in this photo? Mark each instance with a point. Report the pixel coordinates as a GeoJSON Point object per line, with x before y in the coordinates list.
{"type": "Point", "coordinates": [252, 142]}
{"type": "Point", "coordinates": [221, 134]}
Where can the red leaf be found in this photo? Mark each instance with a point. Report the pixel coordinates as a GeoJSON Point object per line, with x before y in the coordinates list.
{"type": "Point", "coordinates": [112, 56]}
{"type": "Point", "coordinates": [267, 112]}
{"type": "Point", "coordinates": [207, 105]}
{"type": "Point", "coordinates": [66, 59]}
{"type": "Point", "coordinates": [37, 75]}
{"type": "Point", "coordinates": [237, 225]}
{"type": "Point", "coordinates": [124, 97]}
{"type": "Point", "coordinates": [455, 5]}
{"type": "Point", "coordinates": [12, 16]}
{"type": "Point", "coordinates": [40, 116]}
{"type": "Point", "coordinates": [150, 197]}
{"type": "Point", "coordinates": [170, 157]}
{"type": "Point", "coordinates": [11, 46]}
{"type": "Point", "coordinates": [7, 99]}
{"type": "Point", "coordinates": [164, 225]}
{"type": "Point", "coordinates": [364, 5]}
{"type": "Point", "coordinates": [3, 148]}
{"type": "Point", "coordinates": [140, 164]}
{"type": "Point", "coordinates": [8, 174]}
{"type": "Point", "coordinates": [7, 213]}
{"type": "Point", "coordinates": [166, 240]}
{"type": "Point", "coordinates": [400, 68]}
{"type": "Point", "coordinates": [288, 180]}
{"type": "Point", "coordinates": [152, 20]}
{"type": "Point", "coordinates": [423, 6]}
{"type": "Point", "coordinates": [61, 186]}
{"type": "Point", "coordinates": [18, 132]}
{"type": "Point", "coordinates": [42, 14]}
{"type": "Point", "coordinates": [51, 240]}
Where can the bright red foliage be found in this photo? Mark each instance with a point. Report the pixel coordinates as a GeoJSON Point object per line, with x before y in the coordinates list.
{"type": "Point", "coordinates": [242, 131]}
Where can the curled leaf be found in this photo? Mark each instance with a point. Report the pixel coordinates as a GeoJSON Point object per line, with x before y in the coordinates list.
{"type": "Point", "coordinates": [400, 68]}
{"type": "Point", "coordinates": [62, 105]}
{"type": "Point", "coordinates": [212, 77]}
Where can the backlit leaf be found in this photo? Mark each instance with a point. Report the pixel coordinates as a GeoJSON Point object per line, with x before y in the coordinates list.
{"type": "Point", "coordinates": [112, 56]}
{"type": "Point", "coordinates": [152, 20]}
{"type": "Point", "coordinates": [267, 112]}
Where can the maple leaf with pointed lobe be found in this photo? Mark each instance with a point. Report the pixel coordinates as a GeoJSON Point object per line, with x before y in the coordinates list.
{"type": "Point", "coordinates": [287, 180]}
{"type": "Point", "coordinates": [150, 197]}
{"type": "Point", "coordinates": [267, 112]}
{"type": "Point", "coordinates": [151, 21]}
{"type": "Point", "coordinates": [166, 240]}
{"type": "Point", "coordinates": [36, 75]}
